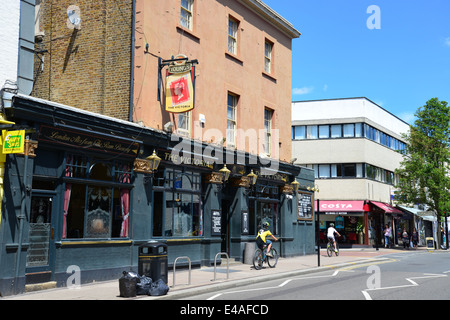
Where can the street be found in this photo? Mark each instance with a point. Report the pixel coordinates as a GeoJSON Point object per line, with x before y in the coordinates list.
{"type": "Point", "coordinates": [418, 275]}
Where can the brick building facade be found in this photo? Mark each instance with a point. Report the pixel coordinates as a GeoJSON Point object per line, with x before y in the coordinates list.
{"type": "Point", "coordinates": [86, 66]}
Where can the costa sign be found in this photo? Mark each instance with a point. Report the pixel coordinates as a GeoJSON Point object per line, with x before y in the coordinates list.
{"type": "Point", "coordinates": [335, 205]}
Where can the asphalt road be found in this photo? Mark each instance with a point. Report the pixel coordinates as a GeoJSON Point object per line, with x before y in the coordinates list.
{"type": "Point", "coordinates": [417, 275]}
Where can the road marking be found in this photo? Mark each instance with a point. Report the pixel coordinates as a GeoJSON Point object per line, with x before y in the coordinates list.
{"type": "Point", "coordinates": [413, 284]}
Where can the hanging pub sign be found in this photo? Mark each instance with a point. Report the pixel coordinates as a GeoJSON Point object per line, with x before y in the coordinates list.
{"type": "Point", "coordinates": [180, 86]}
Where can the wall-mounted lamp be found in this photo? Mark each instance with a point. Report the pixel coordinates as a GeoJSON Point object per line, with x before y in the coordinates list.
{"type": "Point", "coordinates": [252, 178]}
{"type": "Point", "coordinates": [313, 189]}
{"type": "Point", "coordinates": [151, 166]}
{"type": "Point", "coordinates": [153, 161]}
{"type": "Point", "coordinates": [225, 173]}
{"type": "Point", "coordinates": [295, 184]}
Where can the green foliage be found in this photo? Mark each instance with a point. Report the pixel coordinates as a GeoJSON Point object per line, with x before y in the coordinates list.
{"type": "Point", "coordinates": [424, 172]}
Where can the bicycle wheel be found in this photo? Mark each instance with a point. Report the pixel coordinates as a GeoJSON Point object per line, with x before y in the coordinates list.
{"type": "Point", "coordinates": [258, 259]}
{"type": "Point", "coordinates": [272, 261]}
{"type": "Point", "coordinates": [329, 250]}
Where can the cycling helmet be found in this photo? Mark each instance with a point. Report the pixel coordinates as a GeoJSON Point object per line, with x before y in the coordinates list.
{"type": "Point", "coordinates": [266, 225]}
{"type": "Point", "coordinates": [331, 224]}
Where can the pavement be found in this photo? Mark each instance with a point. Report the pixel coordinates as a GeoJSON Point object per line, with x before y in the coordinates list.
{"type": "Point", "coordinates": [202, 279]}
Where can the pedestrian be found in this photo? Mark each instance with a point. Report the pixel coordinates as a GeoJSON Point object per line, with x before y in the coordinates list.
{"type": "Point", "coordinates": [387, 236]}
{"type": "Point", "coordinates": [415, 238]}
{"type": "Point", "coordinates": [405, 238]}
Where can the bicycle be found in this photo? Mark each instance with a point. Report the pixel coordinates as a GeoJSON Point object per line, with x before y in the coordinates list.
{"type": "Point", "coordinates": [261, 256]}
{"type": "Point", "coordinates": [330, 248]}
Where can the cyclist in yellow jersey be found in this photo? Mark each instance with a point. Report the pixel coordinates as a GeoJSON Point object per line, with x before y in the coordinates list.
{"type": "Point", "coordinates": [261, 238]}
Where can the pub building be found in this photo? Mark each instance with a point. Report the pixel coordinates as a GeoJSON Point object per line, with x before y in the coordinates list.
{"type": "Point", "coordinates": [359, 222]}
{"type": "Point", "coordinates": [90, 189]}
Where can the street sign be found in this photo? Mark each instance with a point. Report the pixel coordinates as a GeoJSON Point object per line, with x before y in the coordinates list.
{"type": "Point", "coordinates": [14, 142]}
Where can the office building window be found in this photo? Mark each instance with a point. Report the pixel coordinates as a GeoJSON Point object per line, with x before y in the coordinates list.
{"type": "Point", "coordinates": [298, 132]}
{"type": "Point", "coordinates": [336, 131]}
{"type": "Point", "coordinates": [324, 132]}
{"type": "Point", "coordinates": [349, 130]}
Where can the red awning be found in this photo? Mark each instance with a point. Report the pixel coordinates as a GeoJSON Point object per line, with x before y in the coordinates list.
{"type": "Point", "coordinates": [339, 206]}
{"type": "Point", "coordinates": [386, 207]}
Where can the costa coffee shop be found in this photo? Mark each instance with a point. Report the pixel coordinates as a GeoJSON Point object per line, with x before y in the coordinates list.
{"type": "Point", "coordinates": [359, 222]}
{"type": "Point", "coordinates": [85, 194]}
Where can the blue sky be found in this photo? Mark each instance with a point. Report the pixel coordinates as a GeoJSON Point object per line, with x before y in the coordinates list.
{"type": "Point", "coordinates": [399, 66]}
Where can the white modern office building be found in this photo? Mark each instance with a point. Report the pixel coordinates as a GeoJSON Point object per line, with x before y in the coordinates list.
{"type": "Point", "coordinates": [354, 147]}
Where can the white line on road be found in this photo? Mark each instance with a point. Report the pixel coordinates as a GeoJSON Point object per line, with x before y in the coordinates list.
{"type": "Point", "coordinates": [413, 284]}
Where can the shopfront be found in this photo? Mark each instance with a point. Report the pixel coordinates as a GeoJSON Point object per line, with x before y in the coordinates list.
{"type": "Point", "coordinates": [348, 217]}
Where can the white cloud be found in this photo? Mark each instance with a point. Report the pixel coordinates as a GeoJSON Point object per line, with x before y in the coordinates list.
{"type": "Point", "coordinates": [447, 41]}
{"type": "Point", "coordinates": [304, 90]}
{"type": "Point", "coordinates": [325, 87]}
{"type": "Point", "coordinates": [408, 117]}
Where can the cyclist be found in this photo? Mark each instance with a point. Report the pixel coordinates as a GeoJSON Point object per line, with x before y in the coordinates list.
{"type": "Point", "coordinates": [261, 238]}
{"type": "Point", "coordinates": [330, 234]}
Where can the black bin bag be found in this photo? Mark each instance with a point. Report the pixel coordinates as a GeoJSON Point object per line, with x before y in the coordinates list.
{"type": "Point", "coordinates": [127, 284]}
{"type": "Point", "coordinates": [144, 285]}
{"type": "Point", "coordinates": [158, 288]}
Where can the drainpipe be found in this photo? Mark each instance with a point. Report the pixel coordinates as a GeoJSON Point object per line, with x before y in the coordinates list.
{"type": "Point", "coordinates": [133, 26]}
{"type": "Point", "coordinates": [21, 217]}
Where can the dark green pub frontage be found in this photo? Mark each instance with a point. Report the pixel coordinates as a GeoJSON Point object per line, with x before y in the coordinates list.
{"type": "Point", "coordinates": [83, 197]}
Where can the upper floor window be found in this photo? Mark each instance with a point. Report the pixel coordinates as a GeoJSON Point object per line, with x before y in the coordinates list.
{"type": "Point", "coordinates": [348, 130]}
{"type": "Point", "coordinates": [268, 47]}
{"type": "Point", "coordinates": [232, 35]}
{"type": "Point", "coordinates": [268, 115]}
{"type": "Point", "coordinates": [184, 124]}
{"type": "Point", "coordinates": [186, 13]}
{"type": "Point", "coordinates": [231, 119]}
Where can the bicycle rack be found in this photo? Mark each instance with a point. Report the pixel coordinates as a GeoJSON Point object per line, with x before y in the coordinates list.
{"type": "Point", "coordinates": [174, 266]}
{"type": "Point", "coordinates": [228, 264]}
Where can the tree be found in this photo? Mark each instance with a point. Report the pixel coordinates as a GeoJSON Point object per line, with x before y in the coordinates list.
{"type": "Point", "coordinates": [424, 175]}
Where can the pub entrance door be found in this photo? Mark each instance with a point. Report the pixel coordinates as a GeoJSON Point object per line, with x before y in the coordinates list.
{"type": "Point", "coordinates": [39, 263]}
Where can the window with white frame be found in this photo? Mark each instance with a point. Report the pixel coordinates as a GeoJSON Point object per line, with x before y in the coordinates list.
{"type": "Point", "coordinates": [184, 124]}
{"type": "Point", "coordinates": [232, 35]}
{"type": "Point", "coordinates": [186, 13]}
{"type": "Point", "coordinates": [268, 47]}
{"type": "Point", "coordinates": [268, 115]}
{"type": "Point", "coordinates": [231, 119]}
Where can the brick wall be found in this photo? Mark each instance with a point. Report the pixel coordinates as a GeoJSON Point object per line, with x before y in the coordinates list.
{"type": "Point", "coordinates": [88, 68]}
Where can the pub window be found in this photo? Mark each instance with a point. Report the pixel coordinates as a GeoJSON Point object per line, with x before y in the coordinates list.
{"type": "Point", "coordinates": [96, 198]}
{"type": "Point", "coordinates": [186, 13]}
{"type": "Point", "coordinates": [178, 209]}
{"type": "Point", "coordinates": [231, 119]}
{"type": "Point", "coordinates": [233, 25]}
{"type": "Point", "coordinates": [268, 47]}
{"type": "Point", "coordinates": [268, 115]}
{"type": "Point", "coordinates": [184, 124]}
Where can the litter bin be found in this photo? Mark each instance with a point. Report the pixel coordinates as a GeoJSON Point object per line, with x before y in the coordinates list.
{"type": "Point", "coordinates": [152, 261]}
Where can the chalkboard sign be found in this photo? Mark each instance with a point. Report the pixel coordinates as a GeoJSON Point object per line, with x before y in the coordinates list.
{"type": "Point", "coordinates": [216, 222]}
{"type": "Point", "coordinates": [304, 206]}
